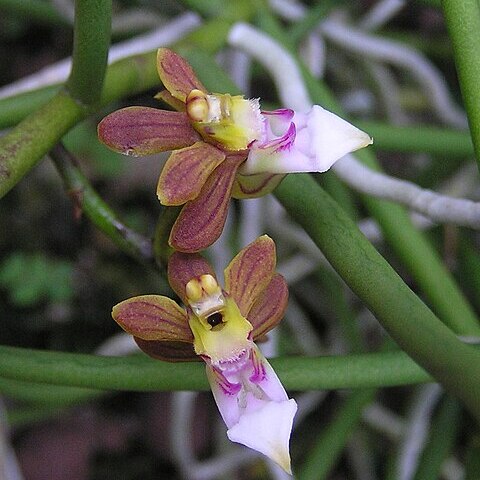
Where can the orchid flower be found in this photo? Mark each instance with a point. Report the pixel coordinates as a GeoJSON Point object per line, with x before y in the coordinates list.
{"type": "Point", "coordinates": [224, 146]}
{"type": "Point", "coordinates": [220, 326]}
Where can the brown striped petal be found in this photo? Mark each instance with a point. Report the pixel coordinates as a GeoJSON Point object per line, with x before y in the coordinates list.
{"type": "Point", "coordinates": [270, 307]}
{"type": "Point", "coordinates": [168, 351]}
{"type": "Point", "coordinates": [201, 221]}
{"type": "Point", "coordinates": [166, 97]}
{"type": "Point", "coordinates": [186, 171]}
{"type": "Point", "coordinates": [250, 272]}
{"type": "Point", "coordinates": [141, 131]}
{"type": "Point", "coordinates": [176, 74]}
{"type": "Point", "coordinates": [153, 317]}
{"type": "Point", "coordinates": [254, 186]}
{"type": "Point", "coordinates": [182, 267]}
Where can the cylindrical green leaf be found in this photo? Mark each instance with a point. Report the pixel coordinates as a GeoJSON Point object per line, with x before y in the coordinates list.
{"type": "Point", "coordinates": [410, 323]}
{"type": "Point", "coordinates": [26, 144]}
{"type": "Point", "coordinates": [144, 374]}
{"type": "Point", "coordinates": [91, 40]}
{"type": "Point", "coordinates": [463, 23]}
{"type": "Point", "coordinates": [331, 442]}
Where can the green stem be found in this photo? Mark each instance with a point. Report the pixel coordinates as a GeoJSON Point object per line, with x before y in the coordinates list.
{"type": "Point", "coordinates": [441, 440]}
{"type": "Point", "coordinates": [238, 10]}
{"type": "Point", "coordinates": [88, 201]}
{"type": "Point", "coordinates": [26, 144]}
{"type": "Point", "coordinates": [469, 271]}
{"type": "Point", "coordinates": [418, 138]}
{"type": "Point", "coordinates": [330, 443]}
{"type": "Point", "coordinates": [410, 323]}
{"type": "Point", "coordinates": [45, 394]}
{"type": "Point", "coordinates": [123, 78]}
{"type": "Point", "coordinates": [26, 416]}
{"type": "Point", "coordinates": [413, 248]}
{"type": "Point", "coordinates": [91, 41]}
{"type": "Point", "coordinates": [209, 38]}
{"type": "Point", "coordinates": [161, 248]}
{"type": "Point", "coordinates": [407, 242]}
{"type": "Point", "coordinates": [334, 292]}
{"type": "Point", "coordinates": [16, 108]}
{"type": "Point", "coordinates": [35, 10]}
{"type": "Point", "coordinates": [333, 438]}
{"type": "Point", "coordinates": [472, 460]}
{"type": "Point", "coordinates": [463, 23]}
{"type": "Point", "coordinates": [122, 373]}
{"type": "Point", "coordinates": [311, 19]}
{"type": "Point", "coordinates": [340, 192]}
{"type": "Point", "coordinates": [426, 267]}
{"type": "Point", "coordinates": [129, 76]}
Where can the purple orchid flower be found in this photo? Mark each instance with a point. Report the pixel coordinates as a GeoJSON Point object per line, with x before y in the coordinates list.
{"type": "Point", "coordinates": [220, 326]}
{"type": "Point", "coordinates": [224, 146]}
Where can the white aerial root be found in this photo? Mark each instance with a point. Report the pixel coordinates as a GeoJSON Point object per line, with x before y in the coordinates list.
{"type": "Point", "coordinates": [388, 91]}
{"type": "Point", "coordinates": [117, 345]}
{"type": "Point", "coordinates": [277, 61]}
{"type": "Point", "coordinates": [380, 49]}
{"type": "Point", "coordinates": [440, 208]}
{"type": "Point", "coordinates": [293, 94]}
{"type": "Point", "coordinates": [288, 9]}
{"type": "Point", "coordinates": [58, 72]}
{"type": "Point", "coordinates": [380, 14]}
{"type": "Point", "coordinates": [314, 54]}
{"type": "Point", "coordinates": [377, 48]}
{"type": "Point", "coordinates": [416, 431]}
{"type": "Point", "coordinates": [237, 64]}
{"type": "Point", "coordinates": [394, 427]}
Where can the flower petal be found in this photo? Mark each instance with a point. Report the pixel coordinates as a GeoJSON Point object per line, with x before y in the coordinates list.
{"type": "Point", "coordinates": [143, 131]}
{"type": "Point", "coordinates": [254, 406]}
{"type": "Point", "coordinates": [184, 267]}
{"type": "Point", "coordinates": [332, 137]}
{"type": "Point", "coordinates": [176, 74]}
{"type": "Point", "coordinates": [242, 390]}
{"type": "Point", "coordinates": [250, 272]}
{"type": "Point", "coordinates": [254, 186]}
{"type": "Point", "coordinates": [166, 97]}
{"type": "Point", "coordinates": [153, 317]}
{"type": "Point", "coordinates": [279, 155]}
{"type": "Point", "coordinates": [201, 221]}
{"type": "Point", "coordinates": [267, 431]}
{"type": "Point", "coordinates": [186, 171]}
{"type": "Point", "coordinates": [168, 351]}
{"type": "Point", "coordinates": [279, 120]}
{"type": "Point", "coordinates": [225, 395]}
{"type": "Point", "coordinates": [291, 160]}
{"type": "Point", "coordinates": [313, 143]}
{"type": "Point", "coordinates": [270, 307]}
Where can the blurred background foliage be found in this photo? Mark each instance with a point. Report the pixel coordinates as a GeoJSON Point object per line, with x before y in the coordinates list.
{"type": "Point", "coordinates": [60, 276]}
